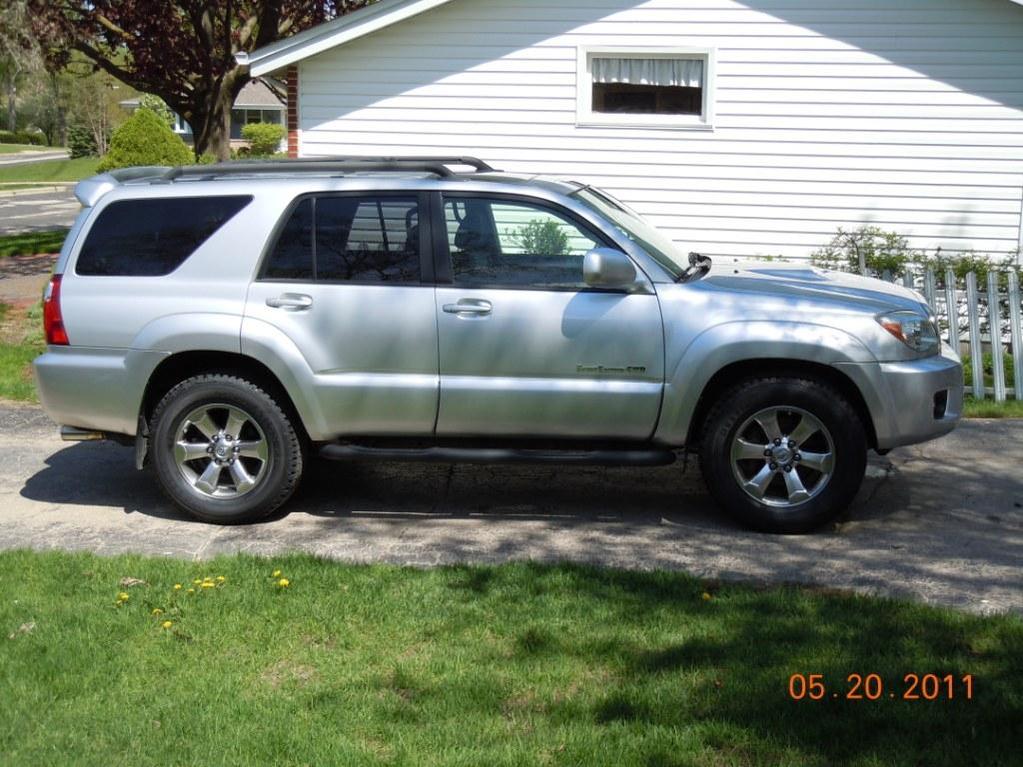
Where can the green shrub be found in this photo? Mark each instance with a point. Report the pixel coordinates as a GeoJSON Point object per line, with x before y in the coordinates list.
{"type": "Point", "coordinates": [158, 106]}
{"type": "Point", "coordinates": [145, 139]}
{"type": "Point", "coordinates": [963, 263]}
{"type": "Point", "coordinates": [206, 159]}
{"type": "Point", "coordinates": [22, 137]}
{"type": "Point", "coordinates": [543, 238]}
{"type": "Point", "coordinates": [264, 138]}
{"type": "Point", "coordinates": [988, 361]}
{"type": "Point", "coordinates": [879, 250]}
{"type": "Point", "coordinates": [81, 142]}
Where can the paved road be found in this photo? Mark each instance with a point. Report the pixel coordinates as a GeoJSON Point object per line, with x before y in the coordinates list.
{"type": "Point", "coordinates": [942, 522]}
{"type": "Point", "coordinates": [37, 211]}
{"type": "Point", "coordinates": [23, 158]}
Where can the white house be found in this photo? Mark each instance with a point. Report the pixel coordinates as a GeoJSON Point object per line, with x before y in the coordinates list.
{"type": "Point", "coordinates": [745, 128]}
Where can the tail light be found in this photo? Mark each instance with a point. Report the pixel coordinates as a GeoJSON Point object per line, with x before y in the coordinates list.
{"type": "Point", "coordinates": [53, 323]}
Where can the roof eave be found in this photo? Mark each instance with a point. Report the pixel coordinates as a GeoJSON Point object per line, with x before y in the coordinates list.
{"type": "Point", "coordinates": [350, 27]}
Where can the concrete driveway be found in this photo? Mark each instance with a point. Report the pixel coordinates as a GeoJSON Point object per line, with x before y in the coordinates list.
{"type": "Point", "coordinates": [941, 522]}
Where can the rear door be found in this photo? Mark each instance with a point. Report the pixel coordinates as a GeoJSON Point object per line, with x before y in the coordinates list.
{"type": "Point", "coordinates": [344, 281]}
{"type": "Point", "coordinates": [526, 348]}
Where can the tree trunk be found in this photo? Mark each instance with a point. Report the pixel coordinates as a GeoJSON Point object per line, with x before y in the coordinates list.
{"type": "Point", "coordinates": [12, 92]}
{"type": "Point", "coordinates": [212, 131]}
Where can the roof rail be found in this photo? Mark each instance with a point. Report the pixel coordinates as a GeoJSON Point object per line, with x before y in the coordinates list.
{"type": "Point", "coordinates": [435, 165]}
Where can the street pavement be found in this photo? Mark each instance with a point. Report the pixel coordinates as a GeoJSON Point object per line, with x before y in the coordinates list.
{"type": "Point", "coordinates": [31, 211]}
{"type": "Point", "coordinates": [941, 523]}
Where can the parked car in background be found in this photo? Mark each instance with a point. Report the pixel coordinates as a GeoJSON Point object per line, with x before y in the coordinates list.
{"type": "Point", "coordinates": [231, 320]}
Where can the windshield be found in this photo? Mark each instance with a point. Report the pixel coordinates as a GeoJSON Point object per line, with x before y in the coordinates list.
{"type": "Point", "coordinates": [628, 222]}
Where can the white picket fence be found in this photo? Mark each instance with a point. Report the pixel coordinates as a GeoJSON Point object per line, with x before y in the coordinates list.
{"type": "Point", "coordinates": [986, 318]}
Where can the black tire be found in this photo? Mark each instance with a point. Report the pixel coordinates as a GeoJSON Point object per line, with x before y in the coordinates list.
{"type": "Point", "coordinates": [275, 477]}
{"type": "Point", "coordinates": [734, 409]}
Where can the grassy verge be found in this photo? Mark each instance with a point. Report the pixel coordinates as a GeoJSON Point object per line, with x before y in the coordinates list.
{"type": "Point", "coordinates": [517, 664]}
{"type": "Point", "coordinates": [30, 243]}
{"type": "Point", "coordinates": [988, 408]}
{"type": "Point", "coordinates": [50, 170]}
{"type": "Point", "coordinates": [14, 148]}
{"type": "Point", "coordinates": [21, 341]}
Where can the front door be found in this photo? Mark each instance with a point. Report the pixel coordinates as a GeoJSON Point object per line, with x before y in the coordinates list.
{"type": "Point", "coordinates": [344, 283]}
{"type": "Point", "coordinates": [526, 348]}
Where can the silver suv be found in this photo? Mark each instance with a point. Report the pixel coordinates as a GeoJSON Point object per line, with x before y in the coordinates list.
{"type": "Point", "coordinates": [231, 320]}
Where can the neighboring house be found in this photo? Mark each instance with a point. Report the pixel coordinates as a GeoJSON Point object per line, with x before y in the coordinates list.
{"type": "Point", "coordinates": [741, 128]}
{"type": "Point", "coordinates": [256, 103]}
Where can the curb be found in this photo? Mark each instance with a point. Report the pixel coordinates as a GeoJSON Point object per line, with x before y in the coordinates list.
{"type": "Point", "coordinates": [54, 187]}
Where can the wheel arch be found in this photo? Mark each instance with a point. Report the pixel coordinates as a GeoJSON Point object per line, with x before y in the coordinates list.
{"type": "Point", "coordinates": [183, 365]}
{"type": "Point", "coordinates": [736, 372]}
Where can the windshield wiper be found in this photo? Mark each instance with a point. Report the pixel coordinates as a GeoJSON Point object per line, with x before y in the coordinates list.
{"type": "Point", "coordinates": [699, 265]}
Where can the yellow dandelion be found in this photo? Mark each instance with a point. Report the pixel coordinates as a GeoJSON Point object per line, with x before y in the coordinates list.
{"type": "Point", "coordinates": [221, 579]}
{"type": "Point", "coordinates": [123, 596]}
{"type": "Point", "coordinates": [197, 581]}
{"type": "Point", "coordinates": [191, 591]}
{"type": "Point", "coordinates": [705, 596]}
{"type": "Point", "coordinates": [177, 587]}
{"type": "Point", "coordinates": [157, 611]}
{"type": "Point", "coordinates": [208, 585]}
{"type": "Point", "coordinates": [277, 574]}
{"type": "Point", "coordinates": [284, 583]}
{"type": "Point", "coordinates": [167, 624]}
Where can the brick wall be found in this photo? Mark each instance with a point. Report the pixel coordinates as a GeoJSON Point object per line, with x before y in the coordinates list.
{"type": "Point", "coordinates": [292, 80]}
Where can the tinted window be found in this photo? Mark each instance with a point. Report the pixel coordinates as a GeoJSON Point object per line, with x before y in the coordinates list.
{"type": "Point", "coordinates": [494, 242]}
{"type": "Point", "coordinates": [357, 239]}
{"type": "Point", "coordinates": [149, 238]}
{"type": "Point", "coordinates": [292, 257]}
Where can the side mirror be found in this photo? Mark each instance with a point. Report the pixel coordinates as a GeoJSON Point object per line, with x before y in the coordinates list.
{"type": "Point", "coordinates": [608, 268]}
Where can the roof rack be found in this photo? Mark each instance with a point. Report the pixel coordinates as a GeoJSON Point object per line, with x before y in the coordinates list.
{"type": "Point", "coordinates": [435, 165]}
{"type": "Point", "coordinates": [92, 189]}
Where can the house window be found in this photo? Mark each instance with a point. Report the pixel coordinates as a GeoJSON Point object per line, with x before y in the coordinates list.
{"type": "Point", "coordinates": [665, 88]}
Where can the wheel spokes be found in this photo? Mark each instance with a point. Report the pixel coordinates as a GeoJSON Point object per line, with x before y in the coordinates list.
{"type": "Point", "coordinates": [236, 419]}
{"type": "Point", "coordinates": [794, 487]}
{"type": "Point", "coordinates": [207, 481]}
{"type": "Point", "coordinates": [805, 429]}
{"type": "Point", "coordinates": [253, 449]}
{"type": "Point", "coordinates": [744, 450]}
{"type": "Point", "coordinates": [768, 421]}
{"type": "Point", "coordinates": [189, 451]}
{"type": "Point", "coordinates": [205, 425]}
{"type": "Point", "coordinates": [758, 484]}
{"type": "Point", "coordinates": [822, 462]}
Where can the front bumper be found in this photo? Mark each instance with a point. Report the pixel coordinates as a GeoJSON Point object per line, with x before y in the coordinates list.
{"type": "Point", "coordinates": [912, 401]}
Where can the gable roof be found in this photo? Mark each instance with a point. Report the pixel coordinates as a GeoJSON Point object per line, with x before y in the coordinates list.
{"type": "Point", "coordinates": [341, 30]}
{"type": "Point", "coordinates": [333, 33]}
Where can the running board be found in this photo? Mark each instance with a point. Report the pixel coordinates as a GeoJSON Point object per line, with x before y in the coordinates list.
{"type": "Point", "coordinates": [443, 454]}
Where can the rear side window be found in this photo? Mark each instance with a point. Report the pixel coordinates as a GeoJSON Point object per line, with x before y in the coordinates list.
{"type": "Point", "coordinates": [150, 238]}
{"type": "Point", "coordinates": [364, 239]}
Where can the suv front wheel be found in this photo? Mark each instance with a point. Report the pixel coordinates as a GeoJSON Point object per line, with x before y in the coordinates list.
{"type": "Point", "coordinates": [224, 450]}
{"type": "Point", "coordinates": [783, 455]}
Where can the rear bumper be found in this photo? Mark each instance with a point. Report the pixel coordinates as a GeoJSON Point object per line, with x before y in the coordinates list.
{"type": "Point", "coordinates": [912, 401]}
{"type": "Point", "coordinates": [94, 389]}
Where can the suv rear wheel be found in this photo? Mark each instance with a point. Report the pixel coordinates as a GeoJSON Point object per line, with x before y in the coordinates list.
{"type": "Point", "coordinates": [224, 450]}
{"type": "Point", "coordinates": [783, 455]}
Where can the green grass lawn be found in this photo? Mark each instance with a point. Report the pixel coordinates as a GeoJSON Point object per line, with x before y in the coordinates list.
{"type": "Point", "coordinates": [511, 665]}
{"type": "Point", "coordinates": [30, 243]}
{"type": "Point", "coordinates": [13, 148]}
{"type": "Point", "coordinates": [21, 341]}
{"type": "Point", "coordinates": [50, 170]}
{"type": "Point", "coordinates": [988, 408]}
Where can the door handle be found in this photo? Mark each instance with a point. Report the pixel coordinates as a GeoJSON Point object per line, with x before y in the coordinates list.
{"type": "Point", "coordinates": [469, 306]}
{"type": "Point", "coordinates": [296, 301]}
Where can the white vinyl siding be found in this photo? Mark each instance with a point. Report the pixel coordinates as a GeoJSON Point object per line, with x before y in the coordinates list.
{"type": "Point", "coordinates": [907, 117]}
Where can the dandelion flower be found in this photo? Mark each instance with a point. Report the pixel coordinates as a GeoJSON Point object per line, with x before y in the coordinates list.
{"type": "Point", "coordinates": [277, 574]}
{"type": "Point", "coordinates": [197, 581]}
{"type": "Point", "coordinates": [284, 583]}
{"type": "Point", "coordinates": [208, 585]}
{"type": "Point", "coordinates": [221, 579]}
{"type": "Point", "coordinates": [191, 591]}
{"type": "Point", "coordinates": [123, 596]}
{"type": "Point", "coordinates": [157, 611]}
{"type": "Point", "coordinates": [177, 587]}
{"type": "Point", "coordinates": [705, 596]}
{"type": "Point", "coordinates": [167, 624]}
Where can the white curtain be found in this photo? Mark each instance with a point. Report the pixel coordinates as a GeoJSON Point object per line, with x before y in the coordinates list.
{"type": "Point", "coordinates": [673, 72]}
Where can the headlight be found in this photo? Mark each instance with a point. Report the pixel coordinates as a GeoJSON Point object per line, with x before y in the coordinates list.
{"type": "Point", "coordinates": [916, 331]}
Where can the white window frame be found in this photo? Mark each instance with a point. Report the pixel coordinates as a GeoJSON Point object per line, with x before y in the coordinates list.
{"type": "Point", "coordinates": [586, 117]}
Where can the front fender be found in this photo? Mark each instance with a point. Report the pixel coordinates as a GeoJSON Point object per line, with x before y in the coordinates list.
{"type": "Point", "coordinates": [741, 341]}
